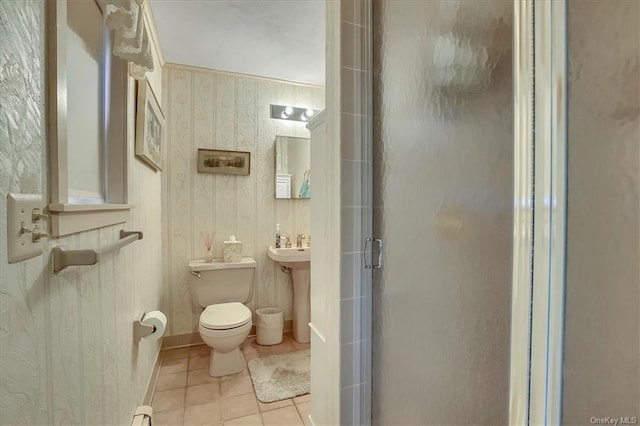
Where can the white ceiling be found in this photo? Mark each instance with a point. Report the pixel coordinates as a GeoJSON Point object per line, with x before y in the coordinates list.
{"type": "Point", "coordinates": [281, 39]}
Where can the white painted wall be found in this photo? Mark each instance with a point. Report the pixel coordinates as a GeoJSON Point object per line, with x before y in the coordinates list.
{"type": "Point", "coordinates": [66, 351]}
{"type": "Point", "coordinates": [326, 254]}
{"type": "Point", "coordinates": [282, 40]}
{"type": "Point", "coordinates": [214, 110]}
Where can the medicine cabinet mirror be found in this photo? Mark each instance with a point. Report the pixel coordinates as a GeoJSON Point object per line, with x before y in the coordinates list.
{"type": "Point", "coordinates": [293, 167]}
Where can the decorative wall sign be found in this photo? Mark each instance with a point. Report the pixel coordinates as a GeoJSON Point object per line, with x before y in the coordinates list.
{"type": "Point", "coordinates": [149, 127]}
{"type": "Point", "coordinates": [224, 162]}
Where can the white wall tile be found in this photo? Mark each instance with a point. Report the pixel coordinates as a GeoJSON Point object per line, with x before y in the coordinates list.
{"type": "Point", "coordinates": [350, 320]}
{"type": "Point", "coordinates": [352, 194]}
{"type": "Point", "coordinates": [350, 400]}
{"type": "Point", "coordinates": [347, 50]}
{"type": "Point", "coordinates": [356, 212]}
{"type": "Point", "coordinates": [351, 368]}
{"type": "Point", "coordinates": [351, 275]}
{"type": "Point", "coordinates": [352, 137]}
{"type": "Point", "coordinates": [353, 84]}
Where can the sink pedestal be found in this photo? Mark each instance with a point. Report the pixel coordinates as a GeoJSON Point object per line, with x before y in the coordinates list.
{"type": "Point", "coordinates": [298, 262]}
{"type": "Point", "coordinates": [301, 305]}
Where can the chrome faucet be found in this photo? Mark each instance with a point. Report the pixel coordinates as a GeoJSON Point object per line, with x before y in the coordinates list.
{"type": "Point", "coordinates": [299, 240]}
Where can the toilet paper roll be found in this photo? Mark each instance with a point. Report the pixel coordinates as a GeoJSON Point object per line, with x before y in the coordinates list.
{"type": "Point", "coordinates": [158, 320]}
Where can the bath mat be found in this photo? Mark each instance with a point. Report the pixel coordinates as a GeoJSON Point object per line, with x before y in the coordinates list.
{"type": "Point", "coordinates": [283, 376]}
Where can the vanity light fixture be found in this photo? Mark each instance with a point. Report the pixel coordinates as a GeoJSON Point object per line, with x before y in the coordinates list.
{"type": "Point", "coordinates": [288, 112]}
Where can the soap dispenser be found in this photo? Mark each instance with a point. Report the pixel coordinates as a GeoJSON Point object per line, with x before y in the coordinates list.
{"type": "Point", "coordinates": [278, 243]}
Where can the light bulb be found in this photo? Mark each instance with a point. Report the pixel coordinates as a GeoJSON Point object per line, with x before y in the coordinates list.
{"type": "Point", "coordinates": [306, 115]}
{"type": "Point", "coordinates": [288, 110]}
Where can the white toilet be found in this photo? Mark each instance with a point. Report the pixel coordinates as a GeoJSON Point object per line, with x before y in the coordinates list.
{"type": "Point", "coordinates": [221, 289]}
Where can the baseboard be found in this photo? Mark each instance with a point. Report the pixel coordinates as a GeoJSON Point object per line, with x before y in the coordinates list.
{"type": "Point", "coordinates": [193, 339]}
{"type": "Point", "coordinates": [151, 385]}
{"type": "Point", "coordinates": [182, 340]}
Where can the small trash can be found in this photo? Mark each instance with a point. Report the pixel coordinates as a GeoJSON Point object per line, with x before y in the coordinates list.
{"type": "Point", "coordinates": [269, 326]}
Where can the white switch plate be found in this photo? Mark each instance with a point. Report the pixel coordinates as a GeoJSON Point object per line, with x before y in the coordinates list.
{"type": "Point", "coordinates": [20, 245]}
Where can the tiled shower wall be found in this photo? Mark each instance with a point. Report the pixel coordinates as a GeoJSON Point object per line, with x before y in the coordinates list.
{"type": "Point", "coordinates": [355, 125]}
{"type": "Point", "coordinates": [215, 110]}
{"type": "Point", "coordinates": [66, 350]}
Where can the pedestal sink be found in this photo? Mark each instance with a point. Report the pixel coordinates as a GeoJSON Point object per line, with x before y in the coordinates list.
{"type": "Point", "coordinates": [298, 261]}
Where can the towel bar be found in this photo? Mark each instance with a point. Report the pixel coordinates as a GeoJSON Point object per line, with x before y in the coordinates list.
{"type": "Point", "coordinates": [63, 258]}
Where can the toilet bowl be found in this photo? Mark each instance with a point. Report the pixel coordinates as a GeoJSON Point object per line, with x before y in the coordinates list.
{"type": "Point", "coordinates": [223, 327]}
{"type": "Point", "coordinates": [225, 322]}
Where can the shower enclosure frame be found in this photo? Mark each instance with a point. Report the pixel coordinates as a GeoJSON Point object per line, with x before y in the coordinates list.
{"type": "Point", "coordinates": [539, 214]}
{"type": "Point", "coordinates": [550, 212]}
{"type": "Point", "coordinates": [540, 200]}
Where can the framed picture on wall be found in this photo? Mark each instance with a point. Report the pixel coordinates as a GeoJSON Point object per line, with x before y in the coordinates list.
{"type": "Point", "coordinates": [224, 162]}
{"type": "Point", "coordinates": [149, 127]}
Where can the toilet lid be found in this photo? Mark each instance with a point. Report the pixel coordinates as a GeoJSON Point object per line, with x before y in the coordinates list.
{"type": "Point", "coordinates": [224, 316]}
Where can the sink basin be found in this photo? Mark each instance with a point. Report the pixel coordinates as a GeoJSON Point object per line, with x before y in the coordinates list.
{"type": "Point", "coordinates": [298, 263]}
{"type": "Point", "coordinates": [291, 257]}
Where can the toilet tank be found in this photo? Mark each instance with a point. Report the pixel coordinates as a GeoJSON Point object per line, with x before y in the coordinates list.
{"type": "Point", "coordinates": [219, 282]}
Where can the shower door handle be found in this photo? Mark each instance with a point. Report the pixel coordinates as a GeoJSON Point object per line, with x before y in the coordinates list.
{"type": "Point", "coordinates": [368, 248]}
{"type": "Point", "coordinates": [380, 245]}
{"type": "Point", "coordinates": [367, 244]}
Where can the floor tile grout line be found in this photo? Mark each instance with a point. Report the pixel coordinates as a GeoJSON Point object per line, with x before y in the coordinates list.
{"type": "Point", "coordinates": [298, 411]}
{"type": "Point", "coordinates": [250, 344]}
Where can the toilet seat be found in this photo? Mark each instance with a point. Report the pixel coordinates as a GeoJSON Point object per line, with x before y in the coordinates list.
{"type": "Point", "coordinates": [225, 316]}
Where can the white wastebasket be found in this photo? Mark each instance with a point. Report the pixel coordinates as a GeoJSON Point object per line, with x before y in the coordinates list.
{"type": "Point", "coordinates": [269, 326]}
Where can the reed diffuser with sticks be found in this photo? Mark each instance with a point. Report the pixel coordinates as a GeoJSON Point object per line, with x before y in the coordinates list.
{"type": "Point", "coordinates": [207, 239]}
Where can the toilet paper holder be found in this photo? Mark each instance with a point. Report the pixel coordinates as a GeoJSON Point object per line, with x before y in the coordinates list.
{"type": "Point", "coordinates": [140, 329]}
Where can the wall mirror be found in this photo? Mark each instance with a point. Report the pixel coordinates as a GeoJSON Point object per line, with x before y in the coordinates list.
{"type": "Point", "coordinates": [293, 167]}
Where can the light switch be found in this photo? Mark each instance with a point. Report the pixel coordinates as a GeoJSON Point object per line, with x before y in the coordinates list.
{"type": "Point", "coordinates": [25, 227]}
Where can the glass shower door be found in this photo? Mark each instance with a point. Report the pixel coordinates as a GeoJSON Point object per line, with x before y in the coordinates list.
{"type": "Point", "coordinates": [443, 204]}
{"type": "Point", "coordinates": [602, 323]}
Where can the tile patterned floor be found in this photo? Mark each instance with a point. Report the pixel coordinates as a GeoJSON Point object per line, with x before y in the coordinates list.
{"type": "Point", "coordinates": [185, 394]}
